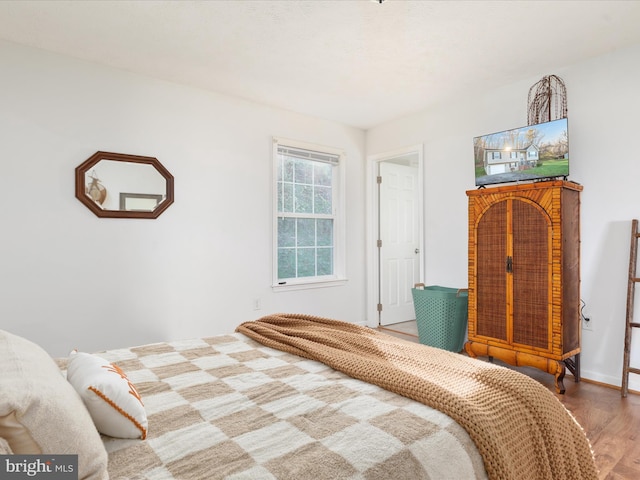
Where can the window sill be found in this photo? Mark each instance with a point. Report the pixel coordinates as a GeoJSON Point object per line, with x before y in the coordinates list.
{"type": "Point", "coordinates": [338, 282]}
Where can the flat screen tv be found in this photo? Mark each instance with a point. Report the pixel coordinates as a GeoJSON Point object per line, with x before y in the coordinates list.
{"type": "Point", "coordinates": [530, 153]}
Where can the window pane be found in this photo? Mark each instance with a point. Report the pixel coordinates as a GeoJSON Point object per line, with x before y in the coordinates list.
{"type": "Point", "coordinates": [286, 232]}
{"type": "Point", "coordinates": [322, 200]}
{"type": "Point", "coordinates": [306, 262]}
{"type": "Point", "coordinates": [287, 198]}
{"type": "Point", "coordinates": [286, 263]}
{"type": "Point", "coordinates": [324, 257]}
{"type": "Point", "coordinates": [304, 198]}
{"type": "Point", "coordinates": [325, 232]}
{"type": "Point", "coordinates": [306, 232]}
{"type": "Point", "coordinates": [322, 174]}
{"type": "Point", "coordinates": [287, 169]}
{"type": "Point", "coordinates": [304, 171]}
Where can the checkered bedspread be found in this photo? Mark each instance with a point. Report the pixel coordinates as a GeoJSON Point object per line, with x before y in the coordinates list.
{"type": "Point", "coordinates": [228, 407]}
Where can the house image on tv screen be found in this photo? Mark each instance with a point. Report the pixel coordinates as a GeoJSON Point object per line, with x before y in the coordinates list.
{"type": "Point", "coordinates": [528, 153]}
{"type": "Point", "coordinates": [510, 160]}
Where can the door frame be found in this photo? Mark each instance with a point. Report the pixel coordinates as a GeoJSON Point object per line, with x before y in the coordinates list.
{"type": "Point", "coordinates": [373, 224]}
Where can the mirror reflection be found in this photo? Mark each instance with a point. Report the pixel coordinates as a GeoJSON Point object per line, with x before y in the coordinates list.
{"type": "Point", "coordinates": [108, 180]}
{"type": "Point", "coordinates": [125, 186]}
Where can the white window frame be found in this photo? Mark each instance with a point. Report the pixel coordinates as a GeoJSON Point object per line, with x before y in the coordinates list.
{"type": "Point", "coordinates": [339, 244]}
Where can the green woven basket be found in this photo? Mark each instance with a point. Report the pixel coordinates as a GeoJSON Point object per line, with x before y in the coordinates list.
{"type": "Point", "coordinates": [441, 315]}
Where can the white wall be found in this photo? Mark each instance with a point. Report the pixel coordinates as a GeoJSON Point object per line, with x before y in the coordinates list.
{"type": "Point", "coordinates": [73, 280]}
{"type": "Point", "coordinates": [604, 105]}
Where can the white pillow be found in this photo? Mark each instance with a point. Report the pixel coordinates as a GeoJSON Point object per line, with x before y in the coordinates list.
{"type": "Point", "coordinates": [40, 413]}
{"type": "Point", "coordinates": [5, 449]}
{"type": "Point", "coordinates": [112, 400]}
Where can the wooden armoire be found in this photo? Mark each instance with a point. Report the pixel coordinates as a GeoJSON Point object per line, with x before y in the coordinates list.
{"type": "Point", "coordinates": [524, 276]}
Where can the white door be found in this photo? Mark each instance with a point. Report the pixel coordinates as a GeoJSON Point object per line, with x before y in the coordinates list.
{"type": "Point", "coordinates": [399, 253]}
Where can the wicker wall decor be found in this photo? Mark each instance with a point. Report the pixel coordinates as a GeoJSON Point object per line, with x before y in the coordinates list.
{"type": "Point", "coordinates": [547, 100]}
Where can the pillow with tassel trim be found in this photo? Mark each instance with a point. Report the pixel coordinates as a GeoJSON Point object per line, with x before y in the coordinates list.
{"type": "Point", "coordinates": [112, 400]}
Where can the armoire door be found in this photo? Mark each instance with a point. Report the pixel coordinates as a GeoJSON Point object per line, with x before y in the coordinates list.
{"type": "Point", "coordinates": [513, 274]}
{"type": "Point", "coordinates": [491, 282]}
{"type": "Point", "coordinates": [530, 275]}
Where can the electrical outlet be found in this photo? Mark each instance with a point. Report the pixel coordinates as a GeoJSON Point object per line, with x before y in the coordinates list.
{"type": "Point", "coordinates": [257, 304]}
{"type": "Point", "coordinates": [587, 323]}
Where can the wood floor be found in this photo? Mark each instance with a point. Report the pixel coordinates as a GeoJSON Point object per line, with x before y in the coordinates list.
{"type": "Point", "coordinates": [612, 423]}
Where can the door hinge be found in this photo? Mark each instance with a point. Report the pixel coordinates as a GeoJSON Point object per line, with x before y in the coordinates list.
{"type": "Point", "coordinates": [509, 265]}
{"type": "Point", "coordinates": [379, 307]}
{"type": "Point", "coordinates": [379, 243]}
{"type": "Point", "coordinates": [379, 179]}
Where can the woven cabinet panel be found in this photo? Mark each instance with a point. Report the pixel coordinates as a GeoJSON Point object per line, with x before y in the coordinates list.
{"type": "Point", "coordinates": [531, 229]}
{"type": "Point", "coordinates": [491, 278]}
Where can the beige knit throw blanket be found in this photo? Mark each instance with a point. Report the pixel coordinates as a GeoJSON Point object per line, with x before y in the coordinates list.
{"type": "Point", "coordinates": [521, 430]}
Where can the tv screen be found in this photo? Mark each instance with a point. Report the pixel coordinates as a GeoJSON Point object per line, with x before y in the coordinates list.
{"type": "Point", "coordinates": [533, 152]}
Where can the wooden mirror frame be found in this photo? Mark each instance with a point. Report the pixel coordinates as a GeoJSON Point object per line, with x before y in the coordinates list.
{"type": "Point", "coordinates": [81, 187]}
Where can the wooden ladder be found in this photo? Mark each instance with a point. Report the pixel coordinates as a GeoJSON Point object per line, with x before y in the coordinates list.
{"type": "Point", "coordinates": [630, 324]}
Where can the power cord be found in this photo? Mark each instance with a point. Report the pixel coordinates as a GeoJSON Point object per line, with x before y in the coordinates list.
{"type": "Point", "coordinates": [584, 319]}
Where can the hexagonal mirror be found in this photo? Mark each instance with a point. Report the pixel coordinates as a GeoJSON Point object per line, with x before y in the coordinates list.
{"type": "Point", "coordinates": [117, 185]}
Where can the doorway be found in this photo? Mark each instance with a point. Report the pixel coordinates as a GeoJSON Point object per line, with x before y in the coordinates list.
{"type": "Point", "coordinates": [395, 235]}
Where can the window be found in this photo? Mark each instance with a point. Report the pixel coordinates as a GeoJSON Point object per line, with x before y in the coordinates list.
{"type": "Point", "coordinates": [496, 155]}
{"type": "Point", "coordinates": [308, 215]}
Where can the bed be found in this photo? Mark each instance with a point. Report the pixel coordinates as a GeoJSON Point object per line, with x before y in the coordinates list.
{"type": "Point", "coordinates": [301, 397]}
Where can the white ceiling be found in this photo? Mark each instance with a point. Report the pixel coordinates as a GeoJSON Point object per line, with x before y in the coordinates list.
{"type": "Point", "coordinates": [357, 62]}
